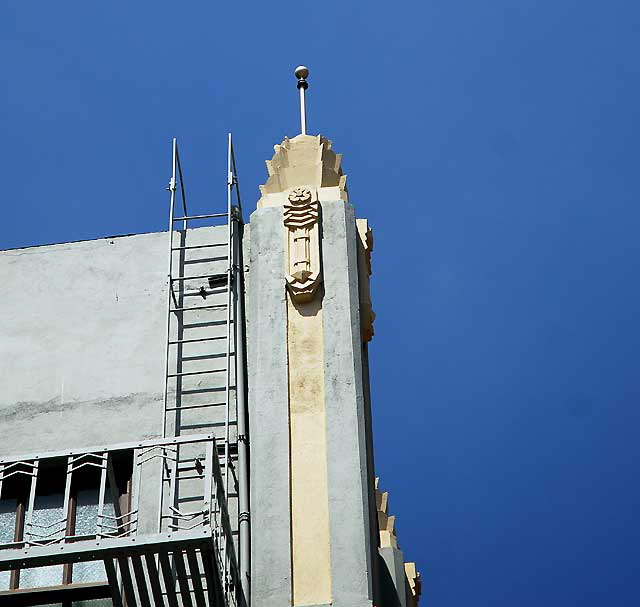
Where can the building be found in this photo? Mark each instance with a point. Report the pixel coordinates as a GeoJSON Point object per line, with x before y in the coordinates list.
{"type": "Point", "coordinates": [185, 415]}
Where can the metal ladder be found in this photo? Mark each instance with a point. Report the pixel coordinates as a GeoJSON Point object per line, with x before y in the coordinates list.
{"type": "Point", "coordinates": [203, 324]}
{"type": "Point", "coordinates": [208, 297]}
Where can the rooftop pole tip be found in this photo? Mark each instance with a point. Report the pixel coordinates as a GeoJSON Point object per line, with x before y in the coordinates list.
{"type": "Point", "coordinates": [302, 73]}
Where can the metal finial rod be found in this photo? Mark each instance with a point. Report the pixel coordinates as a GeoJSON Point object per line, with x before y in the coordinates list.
{"type": "Point", "coordinates": [302, 73]}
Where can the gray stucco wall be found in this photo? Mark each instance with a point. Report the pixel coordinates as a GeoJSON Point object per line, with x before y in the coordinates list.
{"type": "Point", "coordinates": [349, 484]}
{"type": "Point", "coordinates": [82, 346]}
{"type": "Point", "coordinates": [82, 340]}
{"type": "Point", "coordinates": [268, 412]}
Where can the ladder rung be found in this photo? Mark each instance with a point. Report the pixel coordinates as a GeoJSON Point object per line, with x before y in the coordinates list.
{"type": "Point", "coordinates": [208, 291]}
{"type": "Point", "coordinates": [209, 216]}
{"type": "Point", "coordinates": [202, 425]}
{"type": "Point", "coordinates": [196, 372]}
{"type": "Point", "coordinates": [199, 246]}
{"type": "Point", "coordinates": [205, 323]}
{"type": "Point", "coordinates": [206, 390]}
{"type": "Point", "coordinates": [196, 277]}
{"type": "Point", "coordinates": [207, 356]}
{"type": "Point", "coordinates": [193, 262]}
{"type": "Point", "coordinates": [184, 407]}
{"type": "Point", "coordinates": [190, 341]}
{"type": "Point", "coordinates": [190, 477]}
{"type": "Point", "coordinates": [219, 307]}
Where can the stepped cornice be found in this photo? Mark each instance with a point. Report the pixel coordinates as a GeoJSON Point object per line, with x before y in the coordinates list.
{"type": "Point", "coordinates": [304, 160]}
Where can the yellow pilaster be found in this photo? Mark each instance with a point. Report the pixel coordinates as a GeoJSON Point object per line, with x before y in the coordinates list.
{"type": "Point", "coordinates": [311, 562]}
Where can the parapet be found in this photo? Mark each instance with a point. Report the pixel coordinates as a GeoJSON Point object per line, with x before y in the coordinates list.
{"type": "Point", "coordinates": [305, 160]}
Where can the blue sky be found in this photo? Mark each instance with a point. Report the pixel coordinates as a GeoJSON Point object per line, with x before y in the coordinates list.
{"type": "Point", "coordinates": [492, 145]}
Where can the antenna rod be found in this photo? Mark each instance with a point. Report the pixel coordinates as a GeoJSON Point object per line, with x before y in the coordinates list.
{"type": "Point", "coordinates": [302, 73]}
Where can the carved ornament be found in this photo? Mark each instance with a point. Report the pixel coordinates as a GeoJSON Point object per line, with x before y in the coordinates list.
{"type": "Point", "coordinates": [301, 218]}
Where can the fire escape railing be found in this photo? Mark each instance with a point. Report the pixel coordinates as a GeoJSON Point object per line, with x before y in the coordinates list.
{"type": "Point", "coordinates": [161, 525]}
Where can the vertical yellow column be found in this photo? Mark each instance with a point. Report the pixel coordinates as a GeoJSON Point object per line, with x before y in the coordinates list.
{"type": "Point", "coordinates": [311, 561]}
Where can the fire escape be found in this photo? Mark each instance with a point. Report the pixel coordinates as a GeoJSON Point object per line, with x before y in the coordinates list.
{"type": "Point", "coordinates": [163, 521]}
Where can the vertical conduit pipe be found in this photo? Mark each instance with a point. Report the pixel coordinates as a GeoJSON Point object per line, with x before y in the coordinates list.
{"type": "Point", "coordinates": [242, 412]}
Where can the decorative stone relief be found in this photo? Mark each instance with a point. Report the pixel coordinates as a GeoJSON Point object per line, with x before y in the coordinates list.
{"type": "Point", "coordinates": [365, 246]}
{"type": "Point", "coordinates": [386, 523]}
{"type": "Point", "coordinates": [301, 218]}
{"type": "Point", "coordinates": [415, 584]}
{"type": "Point", "coordinates": [388, 539]}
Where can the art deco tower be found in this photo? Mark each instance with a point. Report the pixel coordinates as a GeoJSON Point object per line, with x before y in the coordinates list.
{"type": "Point", "coordinates": [313, 496]}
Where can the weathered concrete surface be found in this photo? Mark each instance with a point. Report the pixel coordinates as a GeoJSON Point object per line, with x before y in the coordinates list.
{"type": "Point", "coordinates": [268, 412]}
{"type": "Point", "coordinates": [82, 340]}
{"type": "Point", "coordinates": [82, 345]}
{"type": "Point", "coordinates": [349, 483]}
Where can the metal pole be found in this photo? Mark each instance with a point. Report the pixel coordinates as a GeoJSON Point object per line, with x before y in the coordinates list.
{"type": "Point", "coordinates": [301, 73]}
{"type": "Point", "coordinates": [224, 548]}
{"type": "Point", "coordinates": [244, 527]}
{"type": "Point", "coordinates": [172, 189]}
{"type": "Point", "coordinates": [235, 180]}
{"type": "Point", "coordinates": [303, 112]}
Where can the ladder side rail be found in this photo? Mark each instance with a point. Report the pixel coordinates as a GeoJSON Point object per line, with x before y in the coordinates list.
{"type": "Point", "coordinates": [172, 190]}
{"type": "Point", "coordinates": [183, 195]}
{"type": "Point", "coordinates": [208, 482]}
{"type": "Point", "coordinates": [180, 302]}
{"type": "Point", "coordinates": [224, 547]}
{"type": "Point", "coordinates": [229, 303]}
{"type": "Point", "coordinates": [235, 176]}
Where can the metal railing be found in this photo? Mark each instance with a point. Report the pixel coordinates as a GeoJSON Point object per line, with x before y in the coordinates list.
{"type": "Point", "coordinates": [188, 472]}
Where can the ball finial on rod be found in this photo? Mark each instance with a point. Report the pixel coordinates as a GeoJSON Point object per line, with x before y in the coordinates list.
{"type": "Point", "coordinates": [302, 73]}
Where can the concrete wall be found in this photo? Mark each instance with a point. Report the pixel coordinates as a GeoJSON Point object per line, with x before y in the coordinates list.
{"type": "Point", "coordinates": [349, 481]}
{"type": "Point", "coordinates": [82, 345]}
{"type": "Point", "coordinates": [82, 340]}
{"type": "Point", "coordinates": [268, 411]}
